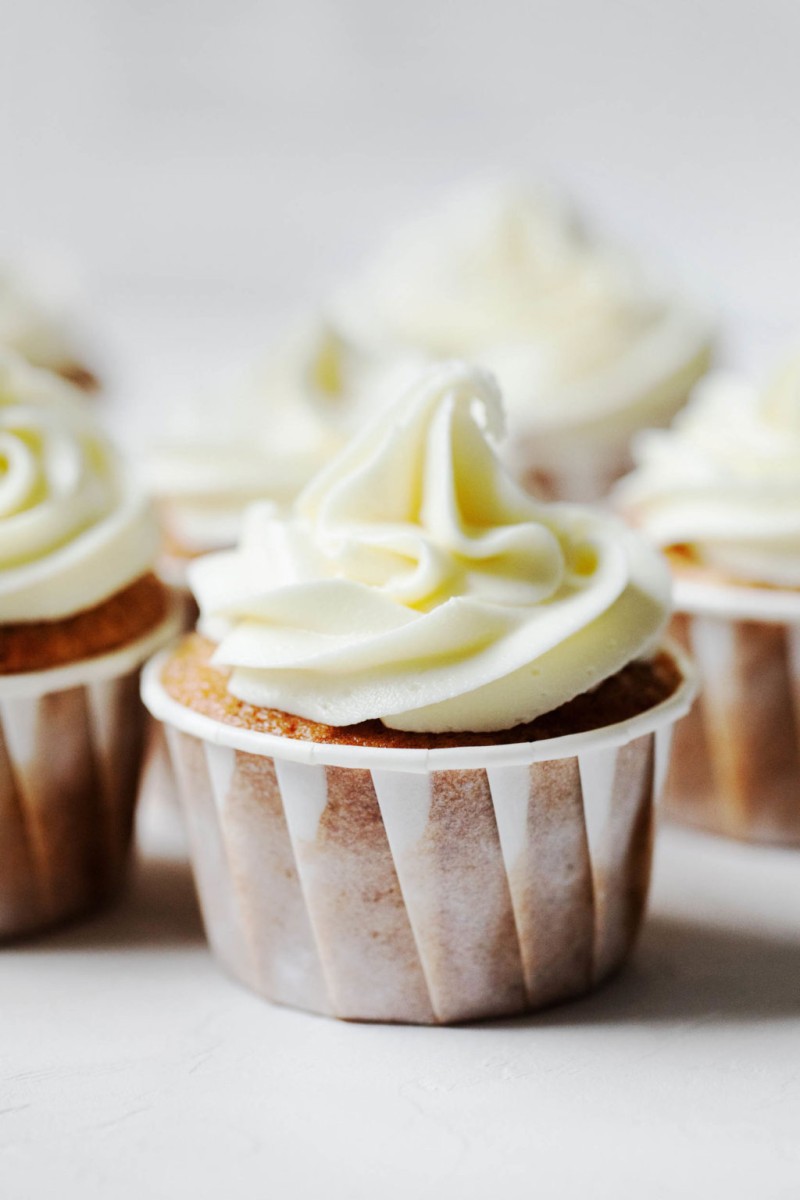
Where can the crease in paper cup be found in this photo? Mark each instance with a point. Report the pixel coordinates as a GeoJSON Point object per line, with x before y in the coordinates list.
{"type": "Point", "coordinates": [418, 886]}
{"type": "Point", "coordinates": [736, 766]}
{"type": "Point", "coordinates": [70, 750]}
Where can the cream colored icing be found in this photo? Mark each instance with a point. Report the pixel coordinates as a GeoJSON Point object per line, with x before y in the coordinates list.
{"type": "Point", "coordinates": [267, 436]}
{"type": "Point", "coordinates": [415, 582]}
{"type": "Point", "coordinates": [725, 479]}
{"type": "Point", "coordinates": [73, 530]}
{"type": "Point", "coordinates": [577, 335]}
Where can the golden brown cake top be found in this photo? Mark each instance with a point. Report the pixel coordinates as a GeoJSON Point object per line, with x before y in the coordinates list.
{"type": "Point", "coordinates": [116, 622]}
{"type": "Point", "coordinates": [191, 679]}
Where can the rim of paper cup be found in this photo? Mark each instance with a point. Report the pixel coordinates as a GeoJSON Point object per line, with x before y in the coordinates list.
{"type": "Point", "coordinates": [97, 669]}
{"type": "Point", "coordinates": [270, 745]}
{"type": "Point", "coordinates": [738, 602]}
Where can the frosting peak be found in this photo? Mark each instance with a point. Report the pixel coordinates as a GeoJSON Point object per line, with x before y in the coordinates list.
{"type": "Point", "coordinates": [416, 583]}
{"type": "Point", "coordinates": [425, 509]}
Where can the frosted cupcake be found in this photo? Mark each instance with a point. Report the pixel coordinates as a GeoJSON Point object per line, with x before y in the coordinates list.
{"type": "Point", "coordinates": [262, 439]}
{"type": "Point", "coordinates": [34, 325]}
{"type": "Point", "coordinates": [80, 610]}
{"type": "Point", "coordinates": [419, 730]}
{"type": "Point", "coordinates": [587, 347]}
{"type": "Point", "coordinates": [720, 492]}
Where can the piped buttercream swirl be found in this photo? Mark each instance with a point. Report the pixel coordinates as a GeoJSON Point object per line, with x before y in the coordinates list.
{"type": "Point", "coordinates": [73, 530]}
{"type": "Point", "coordinates": [576, 332]}
{"type": "Point", "coordinates": [724, 481]}
{"type": "Point", "coordinates": [414, 582]}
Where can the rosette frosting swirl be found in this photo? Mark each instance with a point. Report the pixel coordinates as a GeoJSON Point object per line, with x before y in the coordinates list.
{"type": "Point", "coordinates": [73, 531]}
{"type": "Point", "coordinates": [724, 481]}
{"type": "Point", "coordinates": [573, 328]}
{"type": "Point", "coordinates": [414, 582]}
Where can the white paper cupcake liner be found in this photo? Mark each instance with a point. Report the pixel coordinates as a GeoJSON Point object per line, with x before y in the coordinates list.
{"type": "Point", "coordinates": [736, 768]}
{"type": "Point", "coordinates": [70, 752]}
{"type": "Point", "coordinates": [419, 886]}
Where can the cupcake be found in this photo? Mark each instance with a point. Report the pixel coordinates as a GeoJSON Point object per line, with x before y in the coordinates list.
{"type": "Point", "coordinates": [587, 347]}
{"type": "Point", "coordinates": [720, 492]}
{"type": "Point", "coordinates": [419, 729]}
{"type": "Point", "coordinates": [262, 438]}
{"type": "Point", "coordinates": [80, 610]}
{"type": "Point", "coordinates": [34, 325]}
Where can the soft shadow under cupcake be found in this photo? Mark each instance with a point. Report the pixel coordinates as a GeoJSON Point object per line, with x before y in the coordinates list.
{"type": "Point", "coordinates": [687, 971]}
{"type": "Point", "coordinates": [157, 910]}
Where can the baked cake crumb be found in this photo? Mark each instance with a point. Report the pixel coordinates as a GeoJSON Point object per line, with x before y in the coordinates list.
{"type": "Point", "coordinates": [191, 679]}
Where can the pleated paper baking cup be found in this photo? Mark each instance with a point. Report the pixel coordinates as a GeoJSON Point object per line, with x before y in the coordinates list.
{"type": "Point", "coordinates": [70, 753]}
{"type": "Point", "coordinates": [425, 886]}
{"type": "Point", "coordinates": [736, 767]}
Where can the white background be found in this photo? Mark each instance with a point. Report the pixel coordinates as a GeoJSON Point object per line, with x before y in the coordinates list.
{"type": "Point", "coordinates": [212, 168]}
{"type": "Point", "coordinates": [215, 166]}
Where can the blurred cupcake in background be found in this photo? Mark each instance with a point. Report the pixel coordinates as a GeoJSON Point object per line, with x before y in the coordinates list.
{"type": "Point", "coordinates": [586, 346]}
{"type": "Point", "coordinates": [36, 323]}
{"type": "Point", "coordinates": [720, 492]}
{"type": "Point", "coordinates": [262, 438]}
{"type": "Point", "coordinates": [419, 732]}
{"type": "Point", "coordinates": [80, 610]}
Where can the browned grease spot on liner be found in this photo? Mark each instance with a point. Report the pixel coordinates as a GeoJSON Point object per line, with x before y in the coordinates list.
{"type": "Point", "coordinates": [468, 936]}
{"type": "Point", "coordinates": [270, 903]}
{"type": "Point", "coordinates": [735, 766]}
{"type": "Point", "coordinates": [357, 908]}
{"type": "Point", "coordinates": [552, 885]}
{"type": "Point", "coordinates": [623, 876]}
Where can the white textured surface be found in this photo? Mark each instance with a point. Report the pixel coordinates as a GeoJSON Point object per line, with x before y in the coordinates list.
{"type": "Point", "coordinates": [143, 1070]}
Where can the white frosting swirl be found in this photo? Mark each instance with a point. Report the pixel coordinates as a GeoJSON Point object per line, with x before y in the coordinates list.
{"type": "Point", "coordinates": [72, 529]}
{"type": "Point", "coordinates": [266, 437]}
{"type": "Point", "coordinates": [416, 583]}
{"type": "Point", "coordinates": [574, 331]}
{"type": "Point", "coordinates": [725, 479]}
